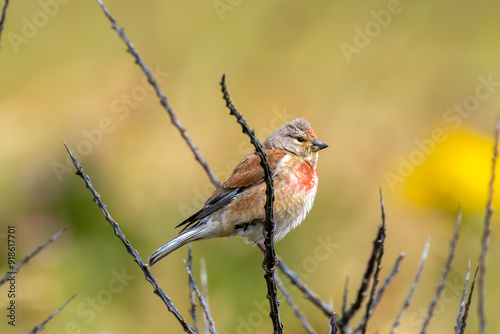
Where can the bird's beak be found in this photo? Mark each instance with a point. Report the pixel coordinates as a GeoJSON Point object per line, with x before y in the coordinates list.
{"type": "Point", "coordinates": [318, 145]}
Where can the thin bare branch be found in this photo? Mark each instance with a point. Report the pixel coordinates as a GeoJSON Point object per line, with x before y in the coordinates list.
{"type": "Point", "coordinates": [463, 323]}
{"type": "Point", "coordinates": [440, 287]}
{"type": "Point", "coordinates": [486, 234]}
{"type": "Point", "coordinates": [378, 261]}
{"type": "Point", "coordinates": [388, 280]}
{"type": "Point", "coordinates": [4, 16]}
{"type": "Point", "coordinates": [296, 310]}
{"type": "Point", "coordinates": [382, 206]}
{"type": "Point", "coordinates": [308, 293]}
{"type": "Point", "coordinates": [203, 304]}
{"type": "Point", "coordinates": [163, 99]}
{"type": "Point", "coordinates": [462, 301]}
{"type": "Point", "coordinates": [333, 324]}
{"type": "Point", "coordinates": [345, 300]}
{"type": "Point", "coordinates": [192, 291]}
{"type": "Point", "coordinates": [380, 292]}
{"type": "Point", "coordinates": [131, 250]}
{"type": "Point", "coordinates": [38, 328]}
{"type": "Point", "coordinates": [31, 255]}
{"type": "Point", "coordinates": [270, 258]}
{"type": "Point", "coordinates": [378, 245]}
{"type": "Point", "coordinates": [412, 289]}
{"type": "Point", "coordinates": [204, 287]}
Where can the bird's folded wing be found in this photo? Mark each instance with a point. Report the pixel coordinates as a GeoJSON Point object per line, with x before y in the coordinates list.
{"type": "Point", "coordinates": [246, 174]}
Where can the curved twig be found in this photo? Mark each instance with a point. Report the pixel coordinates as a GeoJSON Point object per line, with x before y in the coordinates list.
{"type": "Point", "coordinates": [308, 293]}
{"type": "Point", "coordinates": [4, 15]}
{"type": "Point", "coordinates": [38, 328]}
{"type": "Point", "coordinates": [270, 225]}
{"type": "Point", "coordinates": [203, 304]}
{"type": "Point", "coordinates": [192, 292]}
{"type": "Point", "coordinates": [413, 286]}
{"type": "Point", "coordinates": [372, 268]}
{"type": "Point", "coordinates": [462, 301]}
{"type": "Point", "coordinates": [163, 99]}
{"type": "Point", "coordinates": [463, 321]}
{"type": "Point", "coordinates": [296, 310]}
{"type": "Point", "coordinates": [447, 267]}
{"type": "Point", "coordinates": [30, 255]}
{"type": "Point", "coordinates": [131, 250]}
{"type": "Point", "coordinates": [486, 234]}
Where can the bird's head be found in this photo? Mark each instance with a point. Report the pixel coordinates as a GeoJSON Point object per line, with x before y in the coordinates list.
{"type": "Point", "coordinates": [296, 137]}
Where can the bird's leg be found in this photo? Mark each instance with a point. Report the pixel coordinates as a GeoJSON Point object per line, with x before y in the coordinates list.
{"type": "Point", "coordinates": [262, 247]}
{"type": "Point", "coordinates": [264, 251]}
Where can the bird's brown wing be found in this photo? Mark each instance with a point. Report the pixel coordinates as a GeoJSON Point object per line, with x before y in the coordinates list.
{"type": "Point", "coordinates": [246, 174]}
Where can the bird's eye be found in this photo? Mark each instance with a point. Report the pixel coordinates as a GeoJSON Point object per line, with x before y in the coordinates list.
{"type": "Point", "coordinates": [300, 139]}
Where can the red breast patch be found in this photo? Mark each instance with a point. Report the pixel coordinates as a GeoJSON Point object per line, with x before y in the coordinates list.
{"type": "Point", "coordinates": [307, 176]}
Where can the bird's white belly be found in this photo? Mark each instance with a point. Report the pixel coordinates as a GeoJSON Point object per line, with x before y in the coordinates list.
{"type": "Point", "coordinates": [291, 206]}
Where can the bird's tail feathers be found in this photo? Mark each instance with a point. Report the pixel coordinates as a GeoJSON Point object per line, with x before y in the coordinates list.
{"type": "Point", "coordinates": [176, 243]}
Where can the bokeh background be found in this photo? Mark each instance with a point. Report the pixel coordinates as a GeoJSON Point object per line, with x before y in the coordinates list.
{"type": "Point", "coordinates": [404, 92]}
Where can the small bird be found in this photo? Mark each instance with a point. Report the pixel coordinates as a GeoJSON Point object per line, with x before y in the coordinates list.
{"type": "Point", "coordinates": [236, 208]}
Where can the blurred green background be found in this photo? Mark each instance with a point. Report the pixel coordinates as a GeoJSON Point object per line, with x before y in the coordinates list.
{"type": "Point", "coordinates": [405, 93]}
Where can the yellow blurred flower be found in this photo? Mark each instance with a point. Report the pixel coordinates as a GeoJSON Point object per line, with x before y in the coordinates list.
{"type": "Point", "coordinates": [458, 171]}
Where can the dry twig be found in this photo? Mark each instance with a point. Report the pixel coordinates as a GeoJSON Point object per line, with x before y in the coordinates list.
{"type": "Point", "coordinates": [204, 287]}
{"type": "Point", "coordinates": [333, 324]}
{"type": "Point", "coordinates": [308, 293]}
{"type": "Point", "coordinates": [378, 261]}
{"type": "Point", "coordinates": [463, 322]}
{"type": "Point", "coordinates": [462, 301]}
{"type": "Point", "coordinates": [163, 99]}
{"type": "Point", "coordinates": [131, 250]}
{"type": "Point", "coordinates": [413, 286]}
{"type": "Point", "coordinates": [38, 328]}
{"type": "Point", "coordinates": [4, 15]}
{"type": "Point", "coordinates": [440, 287]}
{"type": "Point", "coordinates": [486, 235]}
{"type": "Point", "coordinates": [270, 260]}
{"type": "Point", "coordinates": [24, 261]}
{"type": "Point", "coordinates": [381, 291]}
{"type": "Point", "coordinates": [29, 256]}
{"type": "Point", "coordinates": [192, 291]}
{"type": "Point", "coordinates": [203, 304]}
{"type": "Point", "coordinates": [296, 310]}
{"type": "Point", "coordinates": [345, 301]}
{"type": "Point", "coordinates": [388, 280]}
{"type": "Point", "coordinates": [373, 262]}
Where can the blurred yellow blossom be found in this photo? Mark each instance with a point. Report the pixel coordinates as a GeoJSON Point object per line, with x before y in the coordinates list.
{"type": "Point", "coordinates": [458, 171]}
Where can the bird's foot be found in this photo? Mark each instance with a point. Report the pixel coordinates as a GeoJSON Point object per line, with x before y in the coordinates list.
{"type": "Point", "coordinates": [264, 263]}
